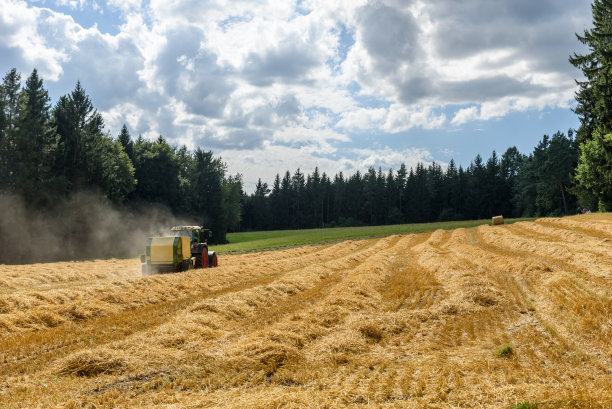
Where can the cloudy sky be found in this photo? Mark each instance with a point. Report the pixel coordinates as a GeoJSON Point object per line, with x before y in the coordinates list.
{"type": "Point", "coordinates": [276, 85]}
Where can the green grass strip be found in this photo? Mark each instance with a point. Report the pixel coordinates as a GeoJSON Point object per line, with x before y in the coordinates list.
{"type": "Point", "coordinates": [268, 240]}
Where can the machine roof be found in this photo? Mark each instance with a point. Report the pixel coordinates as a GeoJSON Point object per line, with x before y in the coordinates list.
{"type": "Point", "coordinates": [179, 228]}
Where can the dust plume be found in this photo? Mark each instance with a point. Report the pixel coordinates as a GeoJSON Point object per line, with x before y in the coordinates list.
{"type": "Point", "coordinates": [84, 226]}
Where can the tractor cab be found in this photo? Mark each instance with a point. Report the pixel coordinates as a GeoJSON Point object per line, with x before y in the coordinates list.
{"type": "Point", "coordinates": [198, 238]}
{"type": "Point", "coordinates": [196, 234]}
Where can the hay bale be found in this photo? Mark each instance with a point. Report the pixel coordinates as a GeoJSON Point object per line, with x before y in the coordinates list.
{"type": "Point", "coordinates": [497, 220]}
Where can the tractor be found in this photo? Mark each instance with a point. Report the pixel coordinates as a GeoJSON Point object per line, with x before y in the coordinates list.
{"type": "Point", "coordinates": [185, 249]}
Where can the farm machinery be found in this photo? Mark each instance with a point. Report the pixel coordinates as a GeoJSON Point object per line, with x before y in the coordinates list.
{"type": "Point", "coordinates": [185, 249]}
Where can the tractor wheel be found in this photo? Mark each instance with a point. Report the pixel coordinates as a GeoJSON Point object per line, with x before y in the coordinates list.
{"type": "Point", "coordinates": [198, 263]}
{"type": "Point", "coordinates": [212, 259]}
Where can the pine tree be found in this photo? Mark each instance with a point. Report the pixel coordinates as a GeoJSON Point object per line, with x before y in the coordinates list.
{"type": "Point", "coordinates": [510, 165]}
{"type": "Point", "coordinates": [451, 186]}
{"type": "Point", "coordinates": [126, 141]}
{"type": "Point", "coordinates": [207, 188]}
{"type": "Point", "coordinates": [400, 184]}
{"type": "Point", "coordinates": [10, 97]}
{"type": "Point", "coordinates": [298, 185]}
{"type": "Point", "coordinates": [86, 157]}
{"type": "Point", "coordinates": [35, 143]}
{"type": "Point", "coordinates": [594, 95]}
{"type": "Point", "coordinates": [158, 172]}
{"type": "Point", "coordinates": [594, 108]}
{"type": "Point", "coordinates": [261, 209]}
{"type": "Point", "coordinates": [276, 204]}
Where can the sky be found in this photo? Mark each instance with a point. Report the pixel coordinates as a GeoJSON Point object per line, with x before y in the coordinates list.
{"type": "Point", "coordinates": [277, 85]}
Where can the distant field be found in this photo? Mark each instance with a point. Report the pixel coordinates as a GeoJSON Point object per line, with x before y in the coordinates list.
{"type": "Point", "coordinates": [259, 240]}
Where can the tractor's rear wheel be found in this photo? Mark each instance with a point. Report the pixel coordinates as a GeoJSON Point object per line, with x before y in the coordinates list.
{"type": "Point", "coordinates": [199, 262]}
{"type": "Point", "coordinates": [212, 259]}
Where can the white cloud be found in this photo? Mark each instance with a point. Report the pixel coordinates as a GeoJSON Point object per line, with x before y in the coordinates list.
{"type": "Point", "coordinates": [401, 118]}
{"type": "Point", "coordinates": [19, 33]}
{"type": "Point", "coordinates": [125, 5]}
{"type": "Point", "coordinates": [297, 84]}
{"type": "Point", "coordinates": [362, 119]}
{"type": "Point", "coordinates": [465, 115]}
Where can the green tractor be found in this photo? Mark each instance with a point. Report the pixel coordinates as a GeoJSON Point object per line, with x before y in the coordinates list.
{"type": "Point", "coordinates": [187, 248]}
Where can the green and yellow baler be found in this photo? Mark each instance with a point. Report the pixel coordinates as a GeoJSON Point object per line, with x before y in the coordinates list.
{"type": "Point", "coordinates": [187, 248]}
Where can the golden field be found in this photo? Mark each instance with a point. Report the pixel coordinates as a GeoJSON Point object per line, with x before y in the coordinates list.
{"type": "Point", "coordinates": [413, 321]}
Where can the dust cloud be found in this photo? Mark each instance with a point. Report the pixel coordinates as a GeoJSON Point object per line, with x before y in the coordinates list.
{"type": "Point", "coordinates": [84, 226]}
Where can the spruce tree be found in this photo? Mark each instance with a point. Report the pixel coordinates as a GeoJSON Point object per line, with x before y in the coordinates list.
{"type": "Point", "coordinates": [10, 97]}
{"type": "Point", "coordinates": [126, 141]}
{"type": "Point", "coordinates": [594, 108]}
{"type": "Point", "coordinates": [35, 143]}
{"type": "Point", "coordinates": [594, 95]}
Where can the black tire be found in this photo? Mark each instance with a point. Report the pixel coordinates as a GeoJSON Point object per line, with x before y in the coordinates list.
{"type": "Point", "coordinates": [199, 261]}
{"type": "Point", "coordinates": [212, 259]}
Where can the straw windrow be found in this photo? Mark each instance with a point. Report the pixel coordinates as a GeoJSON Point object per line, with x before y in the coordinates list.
{"type": "Point", "coordinates": [483, 317]}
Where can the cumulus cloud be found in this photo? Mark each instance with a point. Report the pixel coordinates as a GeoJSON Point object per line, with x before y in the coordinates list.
{"type": "Point", "coordinates": [390, 35]}
{"type": "Point", "coordinates": [21, 43]}
{"type": "Point", "coordinates": [401, 118]}
{"type": "Point", "coordinates": [288, 64]}
{"type": "Point", "coordinates": [362, 119]}
{"type": "Point", "coordinates": [125, 5]}
{"type": "Point", "coordinates": [465, 115]}
{"type": "Point", "coordinates": [300, 81]}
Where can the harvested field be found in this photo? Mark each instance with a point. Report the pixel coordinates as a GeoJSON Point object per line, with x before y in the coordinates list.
{"type": "Point", "coordinates": [487, 317]}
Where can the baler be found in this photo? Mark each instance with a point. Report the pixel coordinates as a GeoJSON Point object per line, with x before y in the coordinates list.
{"type": "Point", "coordinates": [185, 249]}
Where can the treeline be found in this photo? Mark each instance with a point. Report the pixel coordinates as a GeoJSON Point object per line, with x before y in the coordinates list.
{"type": "Point", "coordinates": [48, 153]}
{"type": "Point", "coordinates": [513, 185]}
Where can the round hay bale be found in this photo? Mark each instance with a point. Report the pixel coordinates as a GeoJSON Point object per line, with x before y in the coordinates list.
{"type": "Point", "coordinates": [497, 220]}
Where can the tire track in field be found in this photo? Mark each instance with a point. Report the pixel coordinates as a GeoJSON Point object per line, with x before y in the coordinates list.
{"type": "Point", "coordinates": [340, 268]}
{"type": "Point", "coordinates": [561, 258]}
{"type": "Point", "coordinates": [547, 234]}
{"type": "Point", "coordinates": [480, 308]}
{"type": "Point", "coordinates": [521, 325]}
{"type": "Point", "coordinates": [548, 302]}
{"type": "Point", "coordinates": [587, 229]}
{"type": "Point", "coordinates": [404, 287]}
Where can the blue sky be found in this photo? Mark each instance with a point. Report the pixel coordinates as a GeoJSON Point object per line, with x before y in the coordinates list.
{"type": "Point", "coordinates": [343, 85]}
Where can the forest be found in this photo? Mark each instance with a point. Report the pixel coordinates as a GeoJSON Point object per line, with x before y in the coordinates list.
{"type": "Point", "coordinates": [49, 153]}
{"type": "Point", "coordinates": [513, 184]}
